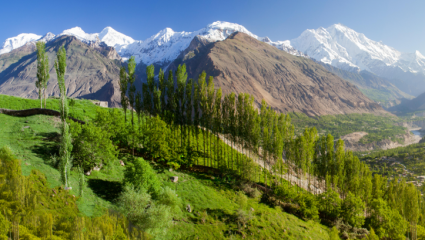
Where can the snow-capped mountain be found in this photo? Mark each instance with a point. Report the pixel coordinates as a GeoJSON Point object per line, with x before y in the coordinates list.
{"type": "Point", "coordinates": [80, 34]}
{"type": "Point", "coordinates": [113, 38]}
{"type": "Point", "coordinates": [344, 48]}
{"type": "Point", "coordinates": [18, 41]}
{"type": "Point", "coordinates": [166, 45]}
{"type": "Point", "coordinates": [337, 45]}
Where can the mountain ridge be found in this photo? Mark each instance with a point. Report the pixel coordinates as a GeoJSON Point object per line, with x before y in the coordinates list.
{"type": "Point", "coordinates": [288, 83]}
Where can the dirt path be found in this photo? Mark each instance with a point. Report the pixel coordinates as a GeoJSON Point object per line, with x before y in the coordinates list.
{"type": "Point", "coordinates": [313, 187]}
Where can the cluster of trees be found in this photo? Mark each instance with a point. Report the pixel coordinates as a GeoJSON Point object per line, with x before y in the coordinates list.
{"type": "Point", "coordinates": [196, 113]}
{"type": "Point", "coordinates": [29, 209]}
{"type": "Point", "coordinates": [181, 121]}
{"type": "Point", "coordinates": [377, 127]}
{"type": "Point", "coordinates": [410, 156]}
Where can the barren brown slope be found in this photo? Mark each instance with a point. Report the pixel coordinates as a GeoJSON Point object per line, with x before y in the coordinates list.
{"type": "Point", "coordinates": [92, 71]}
{"type": "Point", "coordinates": [288, 83]}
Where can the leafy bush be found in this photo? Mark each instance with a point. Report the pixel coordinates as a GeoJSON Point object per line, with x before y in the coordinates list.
{"type": "Point", "coordinates": [169, 198]}
{"type": "Point", "coordinates": [308, 206]}
{"type": "Point", "coordinates": [151, 216]}
{"type": "Point", "coordinates": [141, 175]}
{"type": "Point", "coordinates": [92, 146]}
{"type": "Point", "coordinates": [286, 192]}
{"type": "Point", "coordinates": [251, 191]}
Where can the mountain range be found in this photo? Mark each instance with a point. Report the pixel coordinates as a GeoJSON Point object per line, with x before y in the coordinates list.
{"type": "Point", "coordinates": [395, 74]}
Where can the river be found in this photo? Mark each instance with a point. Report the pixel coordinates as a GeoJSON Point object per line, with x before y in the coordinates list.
{"type": "Point", "coordinates": [418, 132]}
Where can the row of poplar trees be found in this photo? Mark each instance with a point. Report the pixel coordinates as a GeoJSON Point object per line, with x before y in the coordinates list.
{"type": "Point", "coordinates": [195, 109]}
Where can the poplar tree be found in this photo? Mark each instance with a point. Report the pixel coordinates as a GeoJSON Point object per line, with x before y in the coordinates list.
{"type": "Point", "coordinates": [162, 87]}
{"type": "Point", "coordinates": [132, 91]}
{"type": "Point", "coordinates": [203, 104]}
{"type": "Point", "coordinates": [42, 71]}
{"type": "Point", "coordinates": [210, 112]}
{"type": "Point", "coordinates": [217, 122]}
{"type": "Point", "coordinates": [65, 145]}
{"type": "Point", "coordinates": [181, 77]}
{"type": "Point", "coordinates": [123, 89]}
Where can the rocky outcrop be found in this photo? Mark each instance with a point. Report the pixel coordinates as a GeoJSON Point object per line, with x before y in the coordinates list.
{"type": "Point", "coordinates": [242, 64]}
{"type": "Point", "coordinates": [352, 143]}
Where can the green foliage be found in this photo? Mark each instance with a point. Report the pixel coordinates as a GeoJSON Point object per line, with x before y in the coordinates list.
{"type": "Point", "coordinates": [330, 204]}
{"type": "Point", "coordinates": [334, 234]}
{"type": "Point", "coordinates": [286, 192]}
{"type": "Point", "coordinates": [4, 225]}
{"type": "Point", "coordinates": [387, 222]}
{"type": "Point", "coordinates": [169, 198]}
{"type": "Point", "coordinates": [156, 136]}
{"type": "Point", "coordinates": [377, 127]}
{"type": "Point", "coordinates": [28, 204]}
{"type": "Point", "coordinates": [43, 70]}
{"type": "Point", "coordinates": [372, 235]}
{"type": "Point", "coordinates": [353, 210]}
{"type": "Point", "coordinates": [65, 145]}
{"type": "Point", "coordinates": [92, 146]}
{"type": "Point", "coordinates": [151, 216]}
{"type": "Point", "coordinates": [308, 206]}
{"type": "Point", "coordinates": [141, 175]}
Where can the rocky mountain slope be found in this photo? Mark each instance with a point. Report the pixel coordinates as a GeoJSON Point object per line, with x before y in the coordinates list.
{"type": "Point", "coordinates": [288, 83]}
{"type": "Point", "coordinates": [92, 70]}
{"type": "Point", "coordinates": [410, 105]}
{"type": "Point", "coordinates": [376, 88]}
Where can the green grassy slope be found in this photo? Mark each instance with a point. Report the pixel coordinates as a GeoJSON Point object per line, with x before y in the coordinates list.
{"type": "Point", "coordinates": [33, 139]}
{"type": "Point", "coordinates": [220, 202]}
{"type": "Point", "coordinates": [80, 109]}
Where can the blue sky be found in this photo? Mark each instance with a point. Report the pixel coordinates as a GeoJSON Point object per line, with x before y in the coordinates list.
{"type": "Point", "coordinates": [399, 24]}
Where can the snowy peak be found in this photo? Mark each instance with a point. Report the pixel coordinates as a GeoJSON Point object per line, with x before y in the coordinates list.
{"type": "Point", "coordinates": [347, 49]}
{"type": "Point", "coordinates": [114, 38]}
{"type": "Point", "coordinates": [49, 36]}
{"type": "Point", "coordinates": [18, 41]}
{"type": "Point", "coordinates": [80, 34]}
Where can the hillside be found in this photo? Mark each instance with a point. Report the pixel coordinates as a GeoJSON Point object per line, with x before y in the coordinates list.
{"type": "Point", "coordinates": [287, 83]}
{"type": "Point", "coordinates": [371, 85]}
{"type": "Point", "coordinates": [92, 70]}
{"type": "Point", "coordinates": [215, 200]}
{"type": "Point", "coordinates": [410, 105]}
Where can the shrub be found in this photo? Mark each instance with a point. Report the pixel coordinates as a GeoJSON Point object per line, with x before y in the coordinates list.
{"type": "Point", "coordinates": [150, 216]}
{"type": "Point", "coordinates": [308, 206]}
{"type": "Point", "coordinates": [286, 193]}
{"type": "Point", "coordinates": [141, 175]}
{"type": "Point", "coordinates": [243, 217]}
{"type": "Point", "coordinates": [251, 191]}
{"type": "Point", "coordinates": [241, 199]}
{"type": "Point", "coordinates": [92, 146]}
{"type": "Point", "coordinates": [169, 198]}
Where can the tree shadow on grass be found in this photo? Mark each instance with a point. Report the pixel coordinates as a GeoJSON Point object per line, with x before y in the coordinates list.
{"type": "Point", "coordinates": [49, 148]}
{"type": "Point", "coordinates": [106, 190]}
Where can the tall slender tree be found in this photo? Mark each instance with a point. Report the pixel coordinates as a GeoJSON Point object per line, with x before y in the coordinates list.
{"type": "Point", "coordinates": [43, 74]}
{"type": "Point", "coordinates": [66, 144]}
{"type": "Point", "coordinates": [123, 89]}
